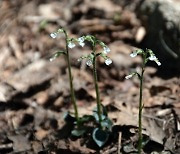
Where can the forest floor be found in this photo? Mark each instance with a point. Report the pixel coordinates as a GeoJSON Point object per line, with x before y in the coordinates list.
{"type": "Point", "coordinates": [34, 92]}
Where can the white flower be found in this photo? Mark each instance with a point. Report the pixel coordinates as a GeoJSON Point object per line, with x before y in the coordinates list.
{"type": "Point", "coordinates": [79, 59]}
{"type": "Point", "coordinates": [129, 76]}
{"type": "Point", "coordinates": [158, 63]}
{"type": "Point", "coordinates": [53, 35]}
{"type": "Point", "coordinates": [71, 45]}
{"type": "Point", "coordinates": [134, 54]}
{"type": "Point", "coordinates": [106, 50]}
{"type": "Point", "coordinates": [52, 58]}
{"type": "Point", "coordinates": [108, 61]}
{"type": "Point", "coordinates": [89, 62]}
{"type": "Point", "coordinates": [81, 41]}
{"type": "Point", "coordinates": [152, 58]}
{"type": "Point", "coordinates": [81, 44]}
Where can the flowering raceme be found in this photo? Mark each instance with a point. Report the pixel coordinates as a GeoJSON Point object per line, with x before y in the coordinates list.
{"type": "Point", "coordinates": [89, 58]}
{"type": "Point", "coordinates": [146, 56]}
{"type": "Point", "coordinates": [53, 35]}
{"type": "Point", "coordinates": [151, 56]}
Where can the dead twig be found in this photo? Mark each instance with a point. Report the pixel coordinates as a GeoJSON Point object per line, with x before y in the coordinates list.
{"type": "Point", "coordinates": [6, 146]}
{"type": "Point", "coordinates": [119, 142]}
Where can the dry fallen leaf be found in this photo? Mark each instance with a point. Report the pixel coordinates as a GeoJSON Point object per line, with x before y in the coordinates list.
{"type": "Point", "coordinates": [20, 143]}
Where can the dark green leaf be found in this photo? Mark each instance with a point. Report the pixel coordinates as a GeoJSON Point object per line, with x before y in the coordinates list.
{"type": "Point", "coordinates": [100, 136]}
{"type": "Point", "coordinates": [78, 132]}
{"type": "Point", "coordinates": [69, 118]}
{"type": "Point", "coordinates": [86, 118]}
{"type": "Point", "coordinates": [95, 114]}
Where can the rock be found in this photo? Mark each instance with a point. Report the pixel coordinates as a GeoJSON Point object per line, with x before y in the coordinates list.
{"type": "Point", "coordinates": [162, 21]}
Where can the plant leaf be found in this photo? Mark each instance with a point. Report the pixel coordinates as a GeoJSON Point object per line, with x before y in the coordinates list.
{"type": "Point", "coordinates": [78, 132]}
{"type": "Point", "coordinates": [103, 115]}
{"type": "Point", "coordinates": [107, 123]}
{"type": "Point", "coordinates": [69, 118]}
{"type": "Point", "coordinates": [95, 114]}
{"type": "Point", "coordinates": [86, 118]}
{"type": "Point", "coordinates": [100, 136]}
{"type": "Point", "coordinates": [59, 53]}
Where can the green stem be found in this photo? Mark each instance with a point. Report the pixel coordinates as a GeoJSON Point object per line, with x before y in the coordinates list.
{"type": "Point", "coordinates": [96, 86]}
{"type": "Point", "coordinates": [141, 107]}
{"type": "Point", "coordinates": [73, 98]}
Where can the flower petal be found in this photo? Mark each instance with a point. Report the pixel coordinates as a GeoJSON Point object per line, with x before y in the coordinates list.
{"type": "Point", "coordinates": [129, 76]}
{"type": "Point", "coordinates": [53, 35]}
{"type": "Point", "coordinates": [152, 58]}
{"type": "Point", "coordinates": [89, 62]}
{"type": "Point", "coordinates": [108, 61]}
{"type": "Point", "coordinates": [81, 44]}
{"type": "Point", "coordinates": [71, 45]}
{"type": "Point", "coordinates": [134, 54]}
{"type": "Point", "coordinates": [106, 50]}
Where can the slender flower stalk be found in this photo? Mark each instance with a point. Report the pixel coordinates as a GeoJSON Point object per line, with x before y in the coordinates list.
{"type": "Point", "coordinates": [141, 78]}
{"type": "Point", "coordinates": [73, 98]}
{"type": "Point", "coordinates": [96, 85]}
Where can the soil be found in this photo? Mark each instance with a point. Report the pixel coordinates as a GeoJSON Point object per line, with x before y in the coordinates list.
{"type": "Point", "coordinates": [34, 92]}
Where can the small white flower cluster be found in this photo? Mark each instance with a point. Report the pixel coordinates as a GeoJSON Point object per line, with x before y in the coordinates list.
{"type": "Point", "coordinates": [89, 62]}
{"type": "Point", "coordinates": [148, 55]}
{"type": "Point", "coordinates": [71, 44]}
{"type": "Point", "coordinates": [152, 57]}
{"type": "Point", "coordinates": [106, 50]}
{"type": "Point", "coordinates": [81, 40]}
